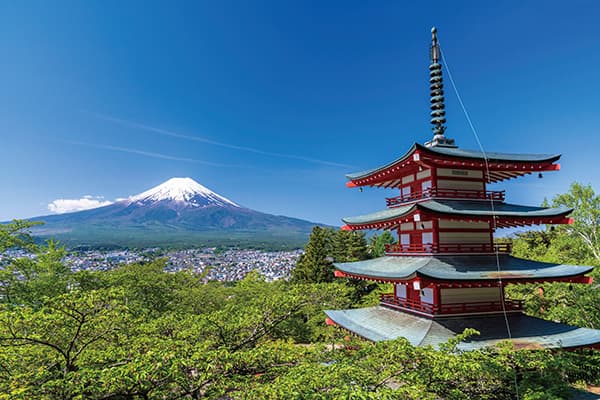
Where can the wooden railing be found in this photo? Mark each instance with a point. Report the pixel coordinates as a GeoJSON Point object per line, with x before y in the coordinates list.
{"type": "Point", "coordinates": [497, 195]}
{"type": "Point", "coordinates": [388, 299]}
{"type": "Point", "coordinates": [458, 248]}
{"type": "Point", "coordinates": [391, 300]}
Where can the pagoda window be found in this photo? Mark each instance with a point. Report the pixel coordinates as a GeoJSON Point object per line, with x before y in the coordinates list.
{"type": "Point", "coordinates": [401, 291]}
{"type": "Point", "coordinates": [408, 179]}
{"type": "Point", "coordinates": [460, 184]}
{"type": "Point", "coordinates": [407, 226]}
{"type": "Point", "coordinates": [424, 225]}
{"type": "Point", "coordinates": [406, 190]}
{"type": "Point", "coordinates": [470, 295]}
{"type": "Point", "coordinates": [405, 238]}
{"type": "Point", "coordinates": [423, 174]}
{"type": "Point", "coordinates": [464, 237]}
{"type": "Point", "coordinates": [427, 295]}
{"type": "Point", "coordinates": [460, 173]}
{"type": "Point", "coordinates": [427, 240]}
{"type": "Point", "coordinates": [460, 179]}
{"type": "Point", "coordinates": [451, 224]}
{"type": "Point", "coordinates": [425, 186]}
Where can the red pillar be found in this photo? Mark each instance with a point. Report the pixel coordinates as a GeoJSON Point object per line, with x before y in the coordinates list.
{"type": "Point", "coordinates": [435, 224]}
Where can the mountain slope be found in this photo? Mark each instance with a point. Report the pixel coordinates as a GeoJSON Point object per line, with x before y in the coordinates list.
{"type": "Point", "coordinates": [179, 212]}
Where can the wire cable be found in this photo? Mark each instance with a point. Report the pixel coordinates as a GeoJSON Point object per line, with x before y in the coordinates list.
{"type": "Point", "coordinates": [494, 226]}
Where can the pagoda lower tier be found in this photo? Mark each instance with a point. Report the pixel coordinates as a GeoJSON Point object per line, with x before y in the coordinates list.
{"type": "Point", "coordinates": [436, 297]}
{"type": "Point", "coordinates": [382, 323]}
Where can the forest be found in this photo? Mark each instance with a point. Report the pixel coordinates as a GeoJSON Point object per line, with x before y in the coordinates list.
{"type": "Point", "coordinates": [137, 332]}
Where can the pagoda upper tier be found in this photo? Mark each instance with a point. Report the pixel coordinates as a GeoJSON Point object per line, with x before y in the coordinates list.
{"type": "Point", "coordinates": [462, 270]}
{"type": "Point", "coordinates": [498, 214]}
{"type": "Point", "coordinates": [426, 161]}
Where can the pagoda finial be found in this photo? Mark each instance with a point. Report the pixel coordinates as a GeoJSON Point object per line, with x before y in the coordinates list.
{"type": "Point", "coordinates": [435, 48]}
{"type": "Point", "coordinates": [438, 114]}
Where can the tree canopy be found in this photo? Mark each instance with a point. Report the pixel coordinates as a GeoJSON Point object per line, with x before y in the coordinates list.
{"type": "Point", "coordinates": [137, 332]}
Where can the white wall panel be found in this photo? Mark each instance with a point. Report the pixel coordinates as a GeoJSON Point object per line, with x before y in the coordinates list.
{"type": "Point", "coordinates": [469, 295]}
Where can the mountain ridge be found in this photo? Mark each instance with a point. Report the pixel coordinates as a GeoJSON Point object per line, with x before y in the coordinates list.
{"type": "Point", "coordinates": [177, 212]}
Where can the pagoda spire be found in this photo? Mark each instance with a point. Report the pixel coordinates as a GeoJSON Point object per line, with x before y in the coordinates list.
{"type": "Point", "coordinates": [438, 113]}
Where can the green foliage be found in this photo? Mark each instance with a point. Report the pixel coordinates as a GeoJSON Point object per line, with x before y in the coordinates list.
{"type": "Point", "coordinates": [44, 348]}
{"type": "Point", "coordinates": [139, 333]}
{"type": "Point", "coordinates": [348, 246]}
{"type": "Point", "coordinates": [577, 243]}
{"type": "Point", "coordinates": [26, 280]}
{"type": "Point", "coordinates": [586, 215]}
{"type": "Point", "coordinates": [315, 265]}
{"type": "Point", "coordinates": [573, 304]}
{"type": "Point", "coordinates": [327, 246]}
{"type": "Point", "coordinates": [324, 247]}
{"type": "Point", "coordinates": [377, 243]}
{"type": "Point", "coordinates": [16, 235]}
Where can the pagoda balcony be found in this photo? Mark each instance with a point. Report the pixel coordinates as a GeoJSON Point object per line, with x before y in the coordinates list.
{"type": "Point", "coordinates": [434, 192]}
{"type": "Point", "coordinates": [455, 248]}
{"type": "Point", "coordinates": [482, 307]}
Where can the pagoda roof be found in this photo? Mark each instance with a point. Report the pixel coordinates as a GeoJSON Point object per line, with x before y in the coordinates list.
{"type": "Point", "coordinates": [459, 154]}
{"type": "Point", "coordinates": [472, 208]}
{"type": "Point", "coordinates": [459, 268]}
{"type": "Point", "coordinates": [381, 323]}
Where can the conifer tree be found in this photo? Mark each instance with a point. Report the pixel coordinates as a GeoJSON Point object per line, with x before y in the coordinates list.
{"type": "Point", "coordinates": [348, 246]}
{"type": "Point", "coordinates": [315, 265]}
{"type": "Point", "coordinates": [377, 243]}
{"type": "Point", "coordinates": [356, 247]}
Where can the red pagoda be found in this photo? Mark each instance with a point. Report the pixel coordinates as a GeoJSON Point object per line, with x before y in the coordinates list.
{"type": "Point", "coordinates": [447, 272]}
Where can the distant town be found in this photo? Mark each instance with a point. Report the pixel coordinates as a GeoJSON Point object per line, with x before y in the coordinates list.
{"type": "Point", "coordinates": [209, 263]}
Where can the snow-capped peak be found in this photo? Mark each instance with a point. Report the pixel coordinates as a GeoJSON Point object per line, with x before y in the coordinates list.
{"type": "Point", "coordinates": [184, 190]}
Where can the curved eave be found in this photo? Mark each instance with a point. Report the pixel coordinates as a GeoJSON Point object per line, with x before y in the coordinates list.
{"type": "Point", "coordinates": [491, 209]}
{"type": "Point", "coordinates": [384, 268]}
{"type": "Point", "coordinates": [494, 157]}
{"type": "Point", "coordinates": [466, 268]}
{"type": "Point", "coordinates": [502, 165]}
{"type": "Point", "coordinates": [381, 323]}
{"type": "Point", "coordinates": [365, 174]}
{"type": "Point", "coordinates": [388, 218]}
{"type": "Point", "coordinates": [504, 214]}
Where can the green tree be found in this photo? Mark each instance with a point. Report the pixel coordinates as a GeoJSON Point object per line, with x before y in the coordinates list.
{"type": "Point", "coordinates": [356, 249]}
{"type": "Point", "coordinates": [148, 289]}
{"type": "Point", "coordinates": [535, 244]}
{"type": "Point", "coordinates": [586, 216]}
{"type": "Point", "coordinates": [44, 348]}
{"type": "Point", "coordinates": [16, 235]}
{"type": "Point", "coordinates": [26, 280]}
{"type": "Point", "coordinates": [377, 243]}
{"type": "Point", "coordinates": [315, 265]}
{"type": "Point", "coordinates": [140, 333]}
{"type": "Point", "coordinates": [574, 304]}
{"type": "Point", "coordinates": [348, 246]}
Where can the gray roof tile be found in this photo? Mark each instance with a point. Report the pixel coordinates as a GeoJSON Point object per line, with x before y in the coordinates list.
{"type": "Point", "coordinates": [381, 323]}
{"type": "Point", "coordinates": [460, 207]}
{"type": "Point", "coordinates": [463, 154]}
{"type": "Point", "coordinates": [460, 268]}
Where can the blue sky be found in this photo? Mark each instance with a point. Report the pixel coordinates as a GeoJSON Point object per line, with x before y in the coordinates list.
{"type": "Point", "coordinates": [271, 103]}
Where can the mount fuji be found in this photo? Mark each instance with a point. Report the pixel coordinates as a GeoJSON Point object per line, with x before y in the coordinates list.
{"type": "Point", "coordinates": [178, 212]}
